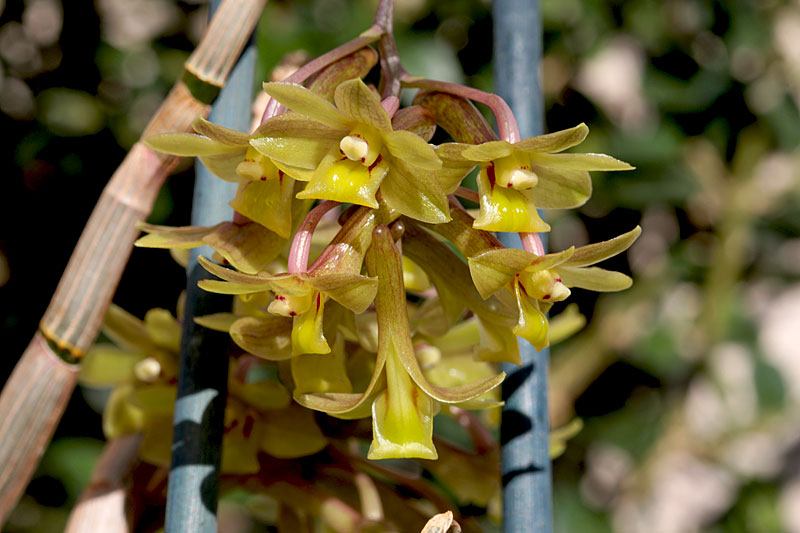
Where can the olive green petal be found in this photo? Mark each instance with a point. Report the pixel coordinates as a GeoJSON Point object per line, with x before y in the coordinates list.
{"type": "Point", "coordinates": [219, 133]}
{"type": "Point", "coordinates": [224, 166]}
{"type": "Point", "coordinates": [566, 324]}
{"type": "Point", "coordinates": [120, 415]}
{"type": "Point", "coordinates": [561, 188]}
{"type": "Point", "coordinates": [105, 365]}
{"type": "Point", "coordinates": [580, 162]}
{"type": "Point", "coordinates": [187, 145]}
{"type": "Point", "coordinates": [508, 210]}
{"type": "Point", "coordinates": [270, 204]}
{"type": "Point", "coordinates": [297, 173]}
{"type": "Point", "coordinates": [416, 193]}
{"type": "Point", "coordinates": [554, 142]}
{"type": "Point", "coordinates": [452, 153]}
{"type": "Point", "coordinates": [265, 337]}
{"type": "Point", "coordinates": [412, 149]}
{"type": "Point", "coordinates": [303, 101]}
{"type": "Point", "coordinates": [291, 433]}
{"type": "Point", "coordinates": [353, 291]}
{"type": "Point", "coordinates": [227, 287]}
{"type": "Point", "coordinates": [172, 237]}
{"type": "Point", "coordinates": [544, 262]}
{"type": "Point", "coordinates": [322, 372]}
{"type": "Point", "coordinates": [498, 344]}
{"type": "Point", "coordinates": [308, 335]}
{"type": "Point", "coordinates": [250, 247]}
{"type": "Point", "coordinates": [263, 395]}
{"type": "Point", "coordinates": [342, 180]}
{"type": "Point", "coordinates": [163, 329]}
{"type": "Point", "coordinates": [358, 103]}
{"type": "Point", "coordinates": [156, 400]}
{"type": "Point", "coordinates": [594, 253]}
{"type": "Point", "coordinates": [217, 321]}
{"type": "Point", "coordinates": [594, 278]}
{"type": "Point", "coordinates": [394, 331]}
{"type": "Point", "coordinates": [127, 331]}
{"type": "Point", "coordinates": [488, 151]}
{"type": "Point", "coordinates": [493, 269]}
{"type": "Point", "coordinates": [156, 446]}
{"type": "Point", "coordinates": [262, 283]}
{"type": "Point", "coordinates": [301, 152]}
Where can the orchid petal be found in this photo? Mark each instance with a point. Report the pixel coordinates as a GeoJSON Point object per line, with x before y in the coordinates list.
{"type": "Point", "coordinates": [532, 325]}
{"type": "Point", "coordinates": [322, 372]}
{"type": "Point", "coordinates": [224, 166]}
{"type": "Point", "coordinates": [291, 433]}
{"type": "Point", "coordinates": [412, 150]}
{"type": "Point", "coordinates": [415, 119]}
{"type": "Point", "coordinates": [163, 329]}
{"type": "Point", "coordinates": [249, 247]}
{"type": "Point", "coordinates": [346, 181]}
{"type": "Point", "coordinates": [217, 321]}
{"type": "Point", "coordinates": [561, 188]}
{"type": "Point", "coordinates": [303, 101]}
{"type": "Point", "coordinates": [488, 151]}
{"type": "Point", "coordinates": [127, 331]}
{"type": "Point", "coordinates": [269, 203]}
{"type": "Point", "coordinates": [493, 269]}
{"type": "Point", "coordinates": [120, 415]}
{"type": "Point", "coordinates": [220, 134]}
{"type": "Point", "coordinates": [415, 193]}
{"type": "Point", "coordinates": [594, 253]}
{"type": "Point", "coordinates": [300, 152]}
{"type": "Point", "coordinates": [187, 145]}
{"type": "Point", "coordinates": [307, 333]}
{"type": "Point", "coordinates": [579, 162]}
{"type": "Point", "coordinates": [554, 142]}
{"type": "Point", "coordinates": [353, 291]}
{"type": "Point", "coordinates": [594, 278]}
{"type": "Point", "coordinates": [105, 365]}
{"type": "Point", "coordinates": [266, 337]}
{"type": "Point", "coordinates": [506, 209]}
{"type": "Point", "coordinates": [358, 103]}
{"type": "Point", "coordinates": [172, 237]}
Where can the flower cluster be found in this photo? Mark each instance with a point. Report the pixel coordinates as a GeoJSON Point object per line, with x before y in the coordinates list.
{"type": "Point", "coordinates": [362, 295]}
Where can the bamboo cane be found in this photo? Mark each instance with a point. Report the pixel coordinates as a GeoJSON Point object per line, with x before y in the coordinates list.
{"type": "Point", "coordinates": [102, 504]}
{"type": "Point", "coordinates": [38, 390]}
{"type": "Point", "coordinates": [525, 429]}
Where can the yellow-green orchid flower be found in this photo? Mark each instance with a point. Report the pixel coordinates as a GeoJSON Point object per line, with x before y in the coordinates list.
{"type": "Point", "coordinates": [516, 178]}
{"type": "Point", "coordinates": [350, 150]}
{"type": "Point", "coordinates": [399, 397]}
{"type": "Point", "coordinates": [539, 281]}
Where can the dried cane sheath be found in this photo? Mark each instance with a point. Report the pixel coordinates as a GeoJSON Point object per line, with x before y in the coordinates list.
{"type": "Point", "coordinates": [38, 390]}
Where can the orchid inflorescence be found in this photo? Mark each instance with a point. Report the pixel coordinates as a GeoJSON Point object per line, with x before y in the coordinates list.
{"type": "Point", "coordinates": [359, 277]}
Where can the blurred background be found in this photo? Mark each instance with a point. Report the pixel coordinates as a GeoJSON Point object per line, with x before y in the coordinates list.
{"type": "Point", "coordinates": [687, 384]}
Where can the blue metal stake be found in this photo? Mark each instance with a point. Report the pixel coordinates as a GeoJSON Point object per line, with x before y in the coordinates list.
{"type": "Point", "coordinates": [525, 428]}
{"type": "Point", "coordinates": [193, 486]}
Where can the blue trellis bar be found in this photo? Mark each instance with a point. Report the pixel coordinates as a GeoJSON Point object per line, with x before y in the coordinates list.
{"type": "Point", "coordinates": [525, 432]}
{"type": "Point", "coordinates": [202, 382]}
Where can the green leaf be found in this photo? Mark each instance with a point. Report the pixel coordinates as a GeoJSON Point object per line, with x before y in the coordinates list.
{"type": "Point", "coordinates": [594, 253]}
{"type": "Point", "coordinates": [358, 103]}
{"type": "Point", "coordinates": [299, 99]}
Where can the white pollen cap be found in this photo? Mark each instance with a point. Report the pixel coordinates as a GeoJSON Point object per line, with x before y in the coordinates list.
{"type": "Point", "coordinates": [147, 370]}
{"type": "Point", "coordinates": [355, 148]}
{"type": "Point", "coordinates": [522, 179]}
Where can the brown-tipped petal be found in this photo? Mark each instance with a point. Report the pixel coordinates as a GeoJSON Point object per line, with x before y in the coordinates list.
{"type": "Point", "coordinates": [359, 104]}
{"type": "Point", "coordinates": [355, 65]}
{"type": "Point", "coordinates": [554, 142]}
{"type": "Point", "coordinates": [415, 119]}
{"type": "Point", "coordinates": [353, 291]}
{"type": "Point", "coordinates": [493, 269]}
{"type": "Point", "coordinates": [221, 134]}
{"type": "Point", "coordinates": [594, 278]}
{"type": "Point", "coordinates": [266, 337]}
{"type": "Point", "coordinates": [458, 116]}
{"type": "Point", "coordinates": [594, 253]}
{"type": "Point", "coordinates": [249, 247]}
